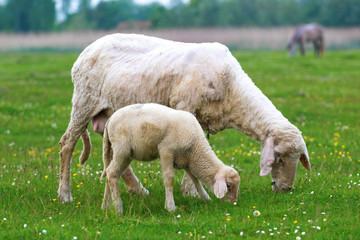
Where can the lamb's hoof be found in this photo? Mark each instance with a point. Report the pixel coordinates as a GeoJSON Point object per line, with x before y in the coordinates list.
{"type": "Point", "coordinates": [144, 192]}
{"type": "Point", "coordinates": [206, 198]}
{"type": "Point", "coordinates": [171, 208]}
{"type": "Point", "coordinates": [189, 189]}
{"type": "Point", "coordinates": [119, 208]}
{"type": "Point", "coordinates": [64, 196]}
{"type": "Point", "coordinates": [139, 191]}
{"type": "Point", "coordinates": [105, 206]}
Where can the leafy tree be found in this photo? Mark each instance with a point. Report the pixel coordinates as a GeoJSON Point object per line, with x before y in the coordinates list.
{"type": "Point", "coordinates": [108, 14]}
{"type": "Point", "coordinates": [30, 15]}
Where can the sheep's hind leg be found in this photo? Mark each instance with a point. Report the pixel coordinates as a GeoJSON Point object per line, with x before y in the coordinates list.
{"type": "Point", "coordinates": [80, 117]}
{"type": "Point", "coordinates": [187, 186]}
{"type": "Point", "coordinates": [200, 189]}
{"type": "Point", "coordinates": [67, 145]}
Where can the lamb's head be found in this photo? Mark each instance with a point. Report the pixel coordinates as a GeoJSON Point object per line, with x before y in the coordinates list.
{"type": "Point", "coordinates": [227, 181]}
{"type": "Point", "coordinates": [280, 156]}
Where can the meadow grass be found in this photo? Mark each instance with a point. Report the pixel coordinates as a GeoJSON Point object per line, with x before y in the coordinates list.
{"type": "Point", "coordinates": [319, 95]}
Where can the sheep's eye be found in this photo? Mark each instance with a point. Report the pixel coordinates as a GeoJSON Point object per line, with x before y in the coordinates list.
{"type": "Point", "coordinates": [281, 160]}
{"type": "Point", "coordinates": [228, 186]}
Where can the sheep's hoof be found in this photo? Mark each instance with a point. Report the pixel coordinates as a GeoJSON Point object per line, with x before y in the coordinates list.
{"type": "Point", "coordinates": [64, 196]}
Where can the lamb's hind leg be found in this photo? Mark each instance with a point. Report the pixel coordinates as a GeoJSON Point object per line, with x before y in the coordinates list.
{"type": "Point", "coordinates": [132, 182]}
{"type": "Point", "coordinates": [116, 168]}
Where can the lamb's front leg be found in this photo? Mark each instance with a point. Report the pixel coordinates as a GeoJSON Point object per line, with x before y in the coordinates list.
{"type": "Point", "coordinates": [200, 189]}
{"type": "Point", "coordinates": [133, 183]}
{"type": "Point", "coordinates": [187, 186]}
{"type": "Point", "coordinates": [168, 175]}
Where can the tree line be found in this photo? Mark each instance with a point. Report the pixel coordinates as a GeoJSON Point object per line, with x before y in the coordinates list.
{"type": "Point", "coordinates": [41, 15]}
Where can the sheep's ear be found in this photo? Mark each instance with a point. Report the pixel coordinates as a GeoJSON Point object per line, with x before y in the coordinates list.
{"type": "Point", "coordinates": [304, 159]}
{"type": "Point", "coordinates": [220, 188]}
{"type": "Point", "coordinates": [267, 156]}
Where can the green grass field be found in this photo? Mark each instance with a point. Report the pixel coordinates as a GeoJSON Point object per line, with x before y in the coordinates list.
{"type": "Point", "coordinates": [319, 95]}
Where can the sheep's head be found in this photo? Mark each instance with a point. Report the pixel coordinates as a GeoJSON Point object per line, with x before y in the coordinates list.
{"type": "Point", "coordinates": [281, 157]}
{"type": "Point", "coordinates": [227, 181]}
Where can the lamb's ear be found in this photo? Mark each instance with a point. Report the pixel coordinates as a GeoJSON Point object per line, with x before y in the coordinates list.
{"type": "Point", "coordinates": [267, 156]}
{"type": "Point", "coordinates": [304, 159]}
{"type": "Point", "coordinates": [220, 188]}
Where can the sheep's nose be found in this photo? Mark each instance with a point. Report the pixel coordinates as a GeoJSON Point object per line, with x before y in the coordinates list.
{"type": "Point", "coordinates": [281, 187]}
{"type": "Point", "coordinates": [285, 188]}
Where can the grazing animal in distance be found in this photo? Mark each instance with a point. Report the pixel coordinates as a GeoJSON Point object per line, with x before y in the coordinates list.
{"type": "Point", "coordinates": [308, 33]}
{"type": "Point", "coordinates": [204, 79]}
{"type": "Point", "coordinates": [148, 131]}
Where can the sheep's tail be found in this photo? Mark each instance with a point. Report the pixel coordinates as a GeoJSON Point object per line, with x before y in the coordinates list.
{"type": "Point", "coordinates": [85, 137]}
{"type": "Point", "coordinates": [106, 151]}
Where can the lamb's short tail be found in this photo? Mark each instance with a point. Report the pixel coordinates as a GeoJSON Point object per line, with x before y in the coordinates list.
{"type": "Point", "coordinates": [106, 151]}
{"type": "Point", "coordinates": [85, 137]}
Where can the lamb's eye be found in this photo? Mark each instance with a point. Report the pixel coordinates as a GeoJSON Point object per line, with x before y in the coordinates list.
{"type": "Point", "coordinates": [228, 186]}
{"type": "Point", "coordinates": [281, 160]}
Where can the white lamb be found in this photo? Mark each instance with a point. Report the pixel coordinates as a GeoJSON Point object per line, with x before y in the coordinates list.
{"type": "Point", "coordinates": [203, 79]}
{"type": "Point", "coordinates": [148, 131]}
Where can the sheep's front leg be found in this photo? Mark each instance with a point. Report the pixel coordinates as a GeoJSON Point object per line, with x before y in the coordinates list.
{"type": "Point", "coordinates": [168, 175]}
{"type": "Point", "coordinates": [187, 186]}
{"type": "Point", "coordinates": [200, 189]}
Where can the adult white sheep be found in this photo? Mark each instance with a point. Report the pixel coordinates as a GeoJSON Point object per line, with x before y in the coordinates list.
{"type": "Point", "coordinates": [148, 131]}
{"type": "Point", "coordinates": [204, 79]}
